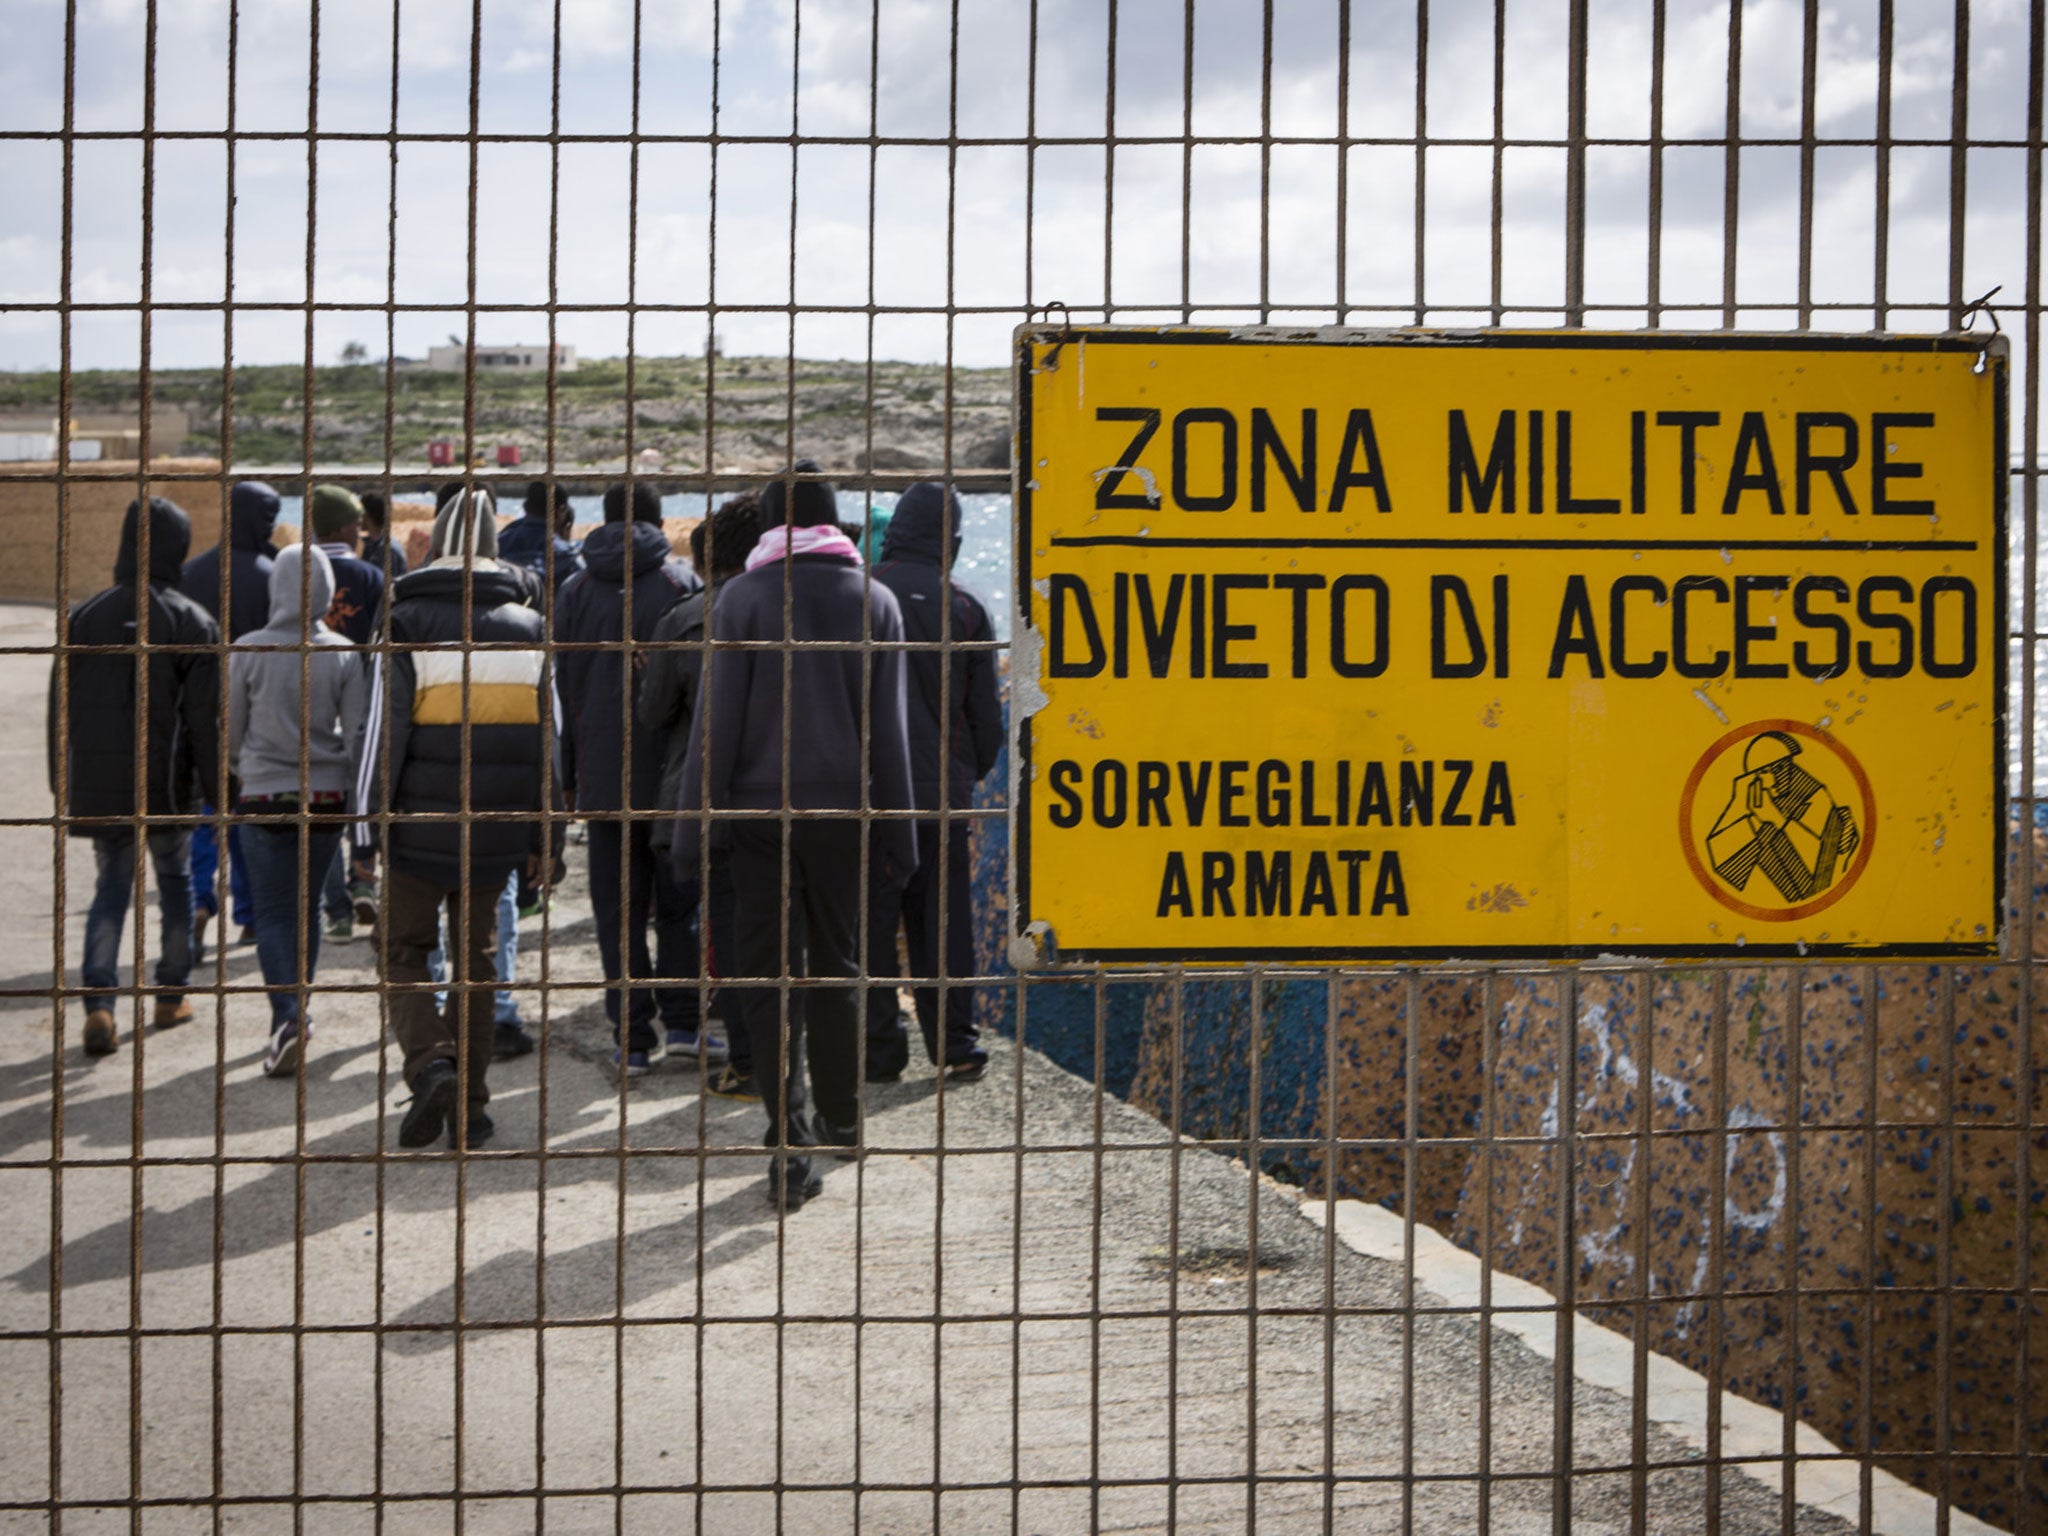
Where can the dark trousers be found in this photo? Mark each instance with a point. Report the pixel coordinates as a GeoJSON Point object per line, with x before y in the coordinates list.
{"type": "Point", "coordinates": [822, 907]}
{"type": "Point", "coordinates": [721, 929]}
{"type": "Point", "coordinates": [936, 912]}
{"type": "Point", "coordinates": [652, 891]}
{"type": "Point", "coordinates": [413, 931]}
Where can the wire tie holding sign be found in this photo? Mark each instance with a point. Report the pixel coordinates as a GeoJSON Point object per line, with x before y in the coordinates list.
{"type": "Point", "coordinates": [1066, 334]}
{"type": "Point", "coordinates": [1968, 320]}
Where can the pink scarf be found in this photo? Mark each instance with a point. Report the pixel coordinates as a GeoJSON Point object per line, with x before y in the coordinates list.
{"type": "Point", "coordinates": [781, 540]}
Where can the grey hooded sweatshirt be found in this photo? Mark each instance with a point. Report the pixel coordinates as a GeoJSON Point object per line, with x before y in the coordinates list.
{"type": "Point", "coordinates": [264, 719]}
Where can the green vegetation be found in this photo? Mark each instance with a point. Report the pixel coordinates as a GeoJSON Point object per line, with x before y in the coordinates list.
{"type": "Point", "coordinates": [363, 412]}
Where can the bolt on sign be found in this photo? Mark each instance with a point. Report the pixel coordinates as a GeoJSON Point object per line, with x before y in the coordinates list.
{"type": "Point", "coordinates": [1393, 646]}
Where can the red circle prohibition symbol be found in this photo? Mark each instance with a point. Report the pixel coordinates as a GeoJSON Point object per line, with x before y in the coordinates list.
{"type": "Point", "coordinates": [1866, 825]}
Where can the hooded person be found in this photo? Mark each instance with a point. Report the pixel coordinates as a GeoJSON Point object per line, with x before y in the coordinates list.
{"type": "Point", "coordinates": [629, 582]}
{"type": "Point", "coordinates": [846, 751]}
{"type": "Point", "coordinates": [956, 733]}
{"type": "Point", "coordinates": [246, 548]}
{"type": "Point", "coordinates": [541, 533]}
{"type": "Point", "coordinates": [106, 709]}
{"type": "Point", "coordinates": [465, 531]}
{"type": "Point", "coordinates": [465, 527]}
{"type": "Point", "coordinates": [874, 534]}
{"type": "Point", "coordinates": [296, 709]}
{"type": "Point", "coordinates": [457, 725]}
{"type": "Point", "coordinates": [378, 548]}
{"type": "Point", "coordinates": [246, 545]}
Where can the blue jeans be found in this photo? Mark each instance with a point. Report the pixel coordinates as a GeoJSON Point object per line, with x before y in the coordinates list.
{"type": "Point", "coordinates": [206, 868]}
{"type": "Point", "coordinates": [170, 854]}
{"type": "Point", "coordinates": [287, 908]}
{"type": "Point", "coordinates": [505, 1008]}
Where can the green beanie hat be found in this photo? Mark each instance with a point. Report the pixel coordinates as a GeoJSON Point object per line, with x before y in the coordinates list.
{"type": "Point", "coordinates": [334, 508]}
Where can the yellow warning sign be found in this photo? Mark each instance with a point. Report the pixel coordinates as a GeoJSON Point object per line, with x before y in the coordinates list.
{"type": "Point", "coordinates": [1404, 646]}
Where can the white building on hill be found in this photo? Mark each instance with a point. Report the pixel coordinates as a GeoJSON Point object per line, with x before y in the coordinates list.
{"type": "Point", "coordinates": [453, 358]}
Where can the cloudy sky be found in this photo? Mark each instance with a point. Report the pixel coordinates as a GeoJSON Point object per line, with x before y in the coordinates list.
{"type": "Point", "coordinates": [990, 227]}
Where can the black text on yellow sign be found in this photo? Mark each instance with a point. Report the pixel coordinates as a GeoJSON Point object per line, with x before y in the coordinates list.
{"type": "Point", "coordinates": [1395, 647]}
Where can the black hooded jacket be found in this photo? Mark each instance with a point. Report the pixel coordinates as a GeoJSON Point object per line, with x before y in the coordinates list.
{"type": "Point", "coordinates": [959, 712]}
{"type": "Point", "coordinates": [846, 744]}
{"type": "Point", "coordinates": [94, 760]}
{"type": "Point", "coordinates": [463, 728]}
{"type": "Point", "coordinates": [252, 514]}
{"type": "Point", "coordinates": [590, 610]}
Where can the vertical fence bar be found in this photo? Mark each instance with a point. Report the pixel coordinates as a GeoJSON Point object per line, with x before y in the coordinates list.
{"type": "Point", "coordinates": [1731, 167]}
{"type": "Point", "coordinates": [1958, 161]}
{"type": "Point", "coordinates": [2031, 1302]}
{"type": "Point", "coordinates": [1792, 1369]}
{"type": "Point", "coordinates": [61, 681]}
{"type": "Point", "coordinates": [1881, 233]}
{"type": "Point", "coordinates": [1653, 277]}
{"type": "Point", "coordinates": [1575, 168]}
{"type": "Point", "coordinates": [1642, 1152]}
{"type": "Point", "coordinates": [1565, 1154]}
{"type": "Point", "coordinates": [1809, 85]}
{"type": "Point", "coordinates": [1419, 251]}
{"type": "Point", "coordinates": [1411, 1069]}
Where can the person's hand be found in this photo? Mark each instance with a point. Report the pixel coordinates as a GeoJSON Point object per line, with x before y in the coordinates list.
{"type": "Point", "coordinates": [539, 871]}
{"type": "Point", "coordinates": [1762, 806]}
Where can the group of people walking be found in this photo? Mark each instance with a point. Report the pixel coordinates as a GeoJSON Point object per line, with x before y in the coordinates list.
{"type": "Point", "coordinates": [760, 763]}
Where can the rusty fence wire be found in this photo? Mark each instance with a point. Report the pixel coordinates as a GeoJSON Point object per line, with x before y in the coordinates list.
{"type": "Point", "coordinates": [1443, 1247]}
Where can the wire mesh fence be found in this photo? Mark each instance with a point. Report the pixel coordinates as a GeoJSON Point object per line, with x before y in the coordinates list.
{"type": "Point", "coordinates": [452, 323]}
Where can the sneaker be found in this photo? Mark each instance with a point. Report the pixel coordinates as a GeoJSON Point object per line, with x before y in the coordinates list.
{"type": "Point", "coordinates": [201, 921]}
{"type": "Point", "coordinates": [639, 1063]}
{"type": "Point", "coordinates": [792, 1185]}
{"type": "Point", "coordinates": [100, 1034]}
{"type": "Point", "coordinates": [533, 908]}
{"type": "Point", "coordinates": [707, 1049]}
{"type": "Point", "coordinates": [287, 1045]}
{"type": "Point", "coordinates": [169, 1014]}
{"type": "Point", "coordinates": [364, 898]}
{"type": "Point", "coordinates": [246, 937]}
{"type": "Point", "coordinates": [509, 1039]}
{"type": "Point", "coordinates": [481, 1129]}
{"type": "Point", "coordinates": [728, 1082]}
{"type": "Point", "coordinates": [970, 1069]}
{"type": "Point", "coordinates": [342, 929]}
{"type": "Point", "coordinates": [433, 1104]}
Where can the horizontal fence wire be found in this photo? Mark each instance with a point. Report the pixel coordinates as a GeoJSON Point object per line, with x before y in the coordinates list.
{"type": "Point", "coordinates": [1265, 1247]}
